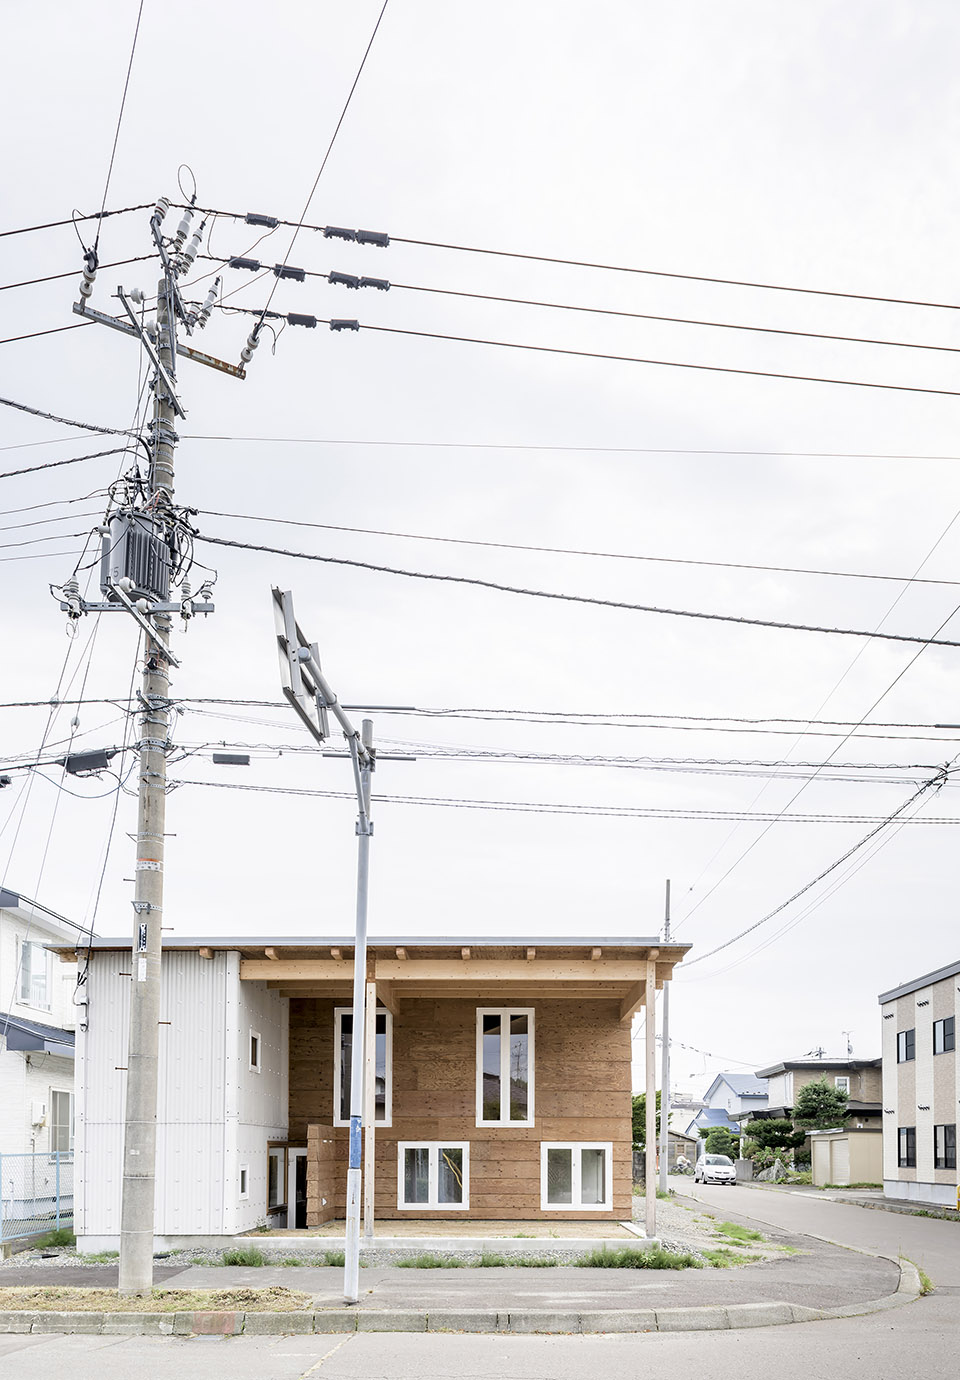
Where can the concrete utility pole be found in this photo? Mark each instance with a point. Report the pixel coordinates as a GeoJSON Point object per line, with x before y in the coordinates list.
{"type": "Point", "coordinates": [665, 1063]}
{"type": "Point", "coordinates": [145, 555]}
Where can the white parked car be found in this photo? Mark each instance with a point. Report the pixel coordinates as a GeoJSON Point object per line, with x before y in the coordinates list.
{"type": "Point", "coordinates": [715, 1169]}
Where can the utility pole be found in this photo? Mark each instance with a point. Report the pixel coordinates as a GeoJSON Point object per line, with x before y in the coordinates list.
{"type": "Point", "coordinates": [665, 1066]}
{"type": "Point", "coordinates": [145, 555]}
{"type": "Point", "coordinates": [308, 690]}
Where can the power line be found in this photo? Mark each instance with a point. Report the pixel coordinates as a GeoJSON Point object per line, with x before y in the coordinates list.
{"type": "Point", "coordinates": [66, 421]}
{"type": "Point", "coordinates": [616, 359]}
{"type": "Point", "coordinates": [571, 551]}
{"type": "Point", "coordinates": [116, 136]}
{"type": "Point", "coordinates": [75, 220]}
{"type": "Point", "coordinates": [573, 598]}
{"type": "Point", "coordinates": [71, 273]}
{"type": "Point", "coordinates": [53, 330]}
{"type": "Point", "coordinates": [935, 781]}
{"type": "Point", "coordinates": [56, 464]}
{"type": "Point", "coordinates": [558, 450]}
{"type": "Point", "coordinates": [333, 139]}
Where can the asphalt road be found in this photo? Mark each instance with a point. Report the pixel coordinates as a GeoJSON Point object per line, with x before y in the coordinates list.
{"type": "Point", "coordinates": [920, 1340]}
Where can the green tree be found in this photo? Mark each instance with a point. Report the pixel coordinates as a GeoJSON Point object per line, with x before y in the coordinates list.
{"type": "Point", "coordinates": [820, 1107]}
{"type": "Point", "coordinates": [640, 1120]}
{"type": "Point", "coordinates": [717, 1140]}
{"type": "Point", "coordinates": [775, 1133]}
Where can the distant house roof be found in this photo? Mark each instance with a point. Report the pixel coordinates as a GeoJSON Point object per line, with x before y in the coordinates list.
{"type": "Point", "coordinates": [34, 1035]}
{"type": "Point", "coordinates": [711, 1116]}
{"type": "Point", "coordinates": [805, 1063]}
{"type": "Point", "coordinates": [743, 1084]}
{"type": "Point", "coordinates": [927, 980]}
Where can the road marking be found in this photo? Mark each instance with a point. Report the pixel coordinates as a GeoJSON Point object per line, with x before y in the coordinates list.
{"type": "Point", "coordinates": [311, 1370]}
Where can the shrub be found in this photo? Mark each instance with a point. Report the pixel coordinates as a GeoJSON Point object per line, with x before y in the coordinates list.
{"type": "Point", "coordinates": [428, 1261]}
{"type": "Point", "coordinates": [490, 1260]}
{"type": "Point", "coordinates": [63, 1236]}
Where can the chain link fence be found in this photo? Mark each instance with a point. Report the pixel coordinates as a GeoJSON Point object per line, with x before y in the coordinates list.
{"type": "Point", "coordinates": [36, 1194]}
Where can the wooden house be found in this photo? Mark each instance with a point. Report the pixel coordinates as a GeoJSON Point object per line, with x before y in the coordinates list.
{"type": "Point", "coordinates": [497, 1086]}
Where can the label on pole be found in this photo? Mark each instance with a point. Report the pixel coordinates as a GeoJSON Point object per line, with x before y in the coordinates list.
{"type": "Point", "coordinates": [141, 970]}
{"type": "Point", "coordinates": [354, 1162]}
{"type": "Point", "coordinates": [148, 865]}
{"type": "Point", "coordinates": [142, 937]}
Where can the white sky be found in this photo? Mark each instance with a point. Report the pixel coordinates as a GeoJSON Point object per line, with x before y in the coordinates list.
{"type": "Point", "coordinates": [806, 145]}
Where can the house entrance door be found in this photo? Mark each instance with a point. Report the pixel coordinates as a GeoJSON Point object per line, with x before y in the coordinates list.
{"type": "Point", "coordinates": [297, 1187]}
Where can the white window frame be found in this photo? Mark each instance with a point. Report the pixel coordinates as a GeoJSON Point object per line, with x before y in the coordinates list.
{"type": "Point", "coordinates": [33, 944]}
{"type": "Point", "coordinates": [338, 1013]}
{"type": "Point", "coordinates": [505, 1013]}
{"type": "Point", "coordinates": [434, 1147]}
{"type": "Point", "coordinates": [62, 1092]}
{"type": "Point", "coordinates": [842, 1083]}
{"type": "Point", "coordinates": [255, 1065]}
{"type": "Point", "coordinates": [575, 1204]}
{"type": "Point", "coordinates": [243, 1181]}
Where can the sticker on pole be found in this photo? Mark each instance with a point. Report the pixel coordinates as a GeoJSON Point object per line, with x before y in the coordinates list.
{"type": "Point", "coordinates": [141, 970]}
{"type": "Point", "coordinates": [142, 937]}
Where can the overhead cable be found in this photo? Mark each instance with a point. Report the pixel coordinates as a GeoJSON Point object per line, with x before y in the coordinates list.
{"type": "Point", "coordinates": [574, 598]}
{"type": "Point", "coordinates": [75, 220]}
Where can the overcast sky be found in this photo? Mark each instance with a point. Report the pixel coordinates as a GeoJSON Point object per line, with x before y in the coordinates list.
{"type": "Point", "coordinates": [804, 145]}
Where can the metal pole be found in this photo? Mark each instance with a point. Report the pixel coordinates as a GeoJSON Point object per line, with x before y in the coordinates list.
{"type": "Point", "coordinates": [665, 1064]}
{"type": "Point", "coordinates": [370, 1112]}
{"type": "Point", "coordinates": [140, 1116]}
{"type": "Point", "coordinates": [364, 766]}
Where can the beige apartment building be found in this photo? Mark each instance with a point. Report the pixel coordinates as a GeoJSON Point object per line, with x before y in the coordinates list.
{"type": "Point", "coordinates": [921, 1088]}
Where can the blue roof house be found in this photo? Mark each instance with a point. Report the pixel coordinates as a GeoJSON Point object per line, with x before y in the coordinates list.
{"type": "Point", "coordinates": [728, 1096]}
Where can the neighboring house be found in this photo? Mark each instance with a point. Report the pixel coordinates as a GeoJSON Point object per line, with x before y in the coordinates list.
{"type": "Point", "coordinates": [921, 1088]}
{"type": "Point", "coordinates": [37, 1018]}
{"type": "Point", "coordinates": [499, 1080]}
{"type": "Point", "coordinates": [860, 1079]}
{"type": "Point", "coordinates": [729, 1096]}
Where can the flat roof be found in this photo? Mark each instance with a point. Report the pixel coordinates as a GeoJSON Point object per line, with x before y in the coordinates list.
{"type": "Point", "coordinates": [825, 1063]}
{"type": "Point", "coordinates": [346, 942]}
{"type": "Point", "coordinates": [951, 970]}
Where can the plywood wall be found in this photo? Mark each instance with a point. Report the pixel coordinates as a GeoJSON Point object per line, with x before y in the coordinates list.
{"type": "Point", "coordinates": [582, 1093]}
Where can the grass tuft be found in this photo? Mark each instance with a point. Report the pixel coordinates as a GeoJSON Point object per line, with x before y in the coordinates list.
{"type": "Point", "coordinates": [63, 1236]}
{"type": "Point", "coordinates": [723, 1259]}
{"type": "Point", "coordinates": [738, 1233]}
{"type": "Point", "coordinates": [98, 1257]}
{"type": "Point", "coordinates": [490, 1260]}
{"type": "Point", "coordinates": [926, 1283]}
{"type": "Point", "coordinates": [244, 1255]}
{"type": "Point", "coordinates": [633, 1258]}
{"type": "Point", "coordinates": [427, 1261]}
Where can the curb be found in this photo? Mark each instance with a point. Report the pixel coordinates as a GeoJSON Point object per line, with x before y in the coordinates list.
{"type": "Point", "coordinates": [518, 1322]}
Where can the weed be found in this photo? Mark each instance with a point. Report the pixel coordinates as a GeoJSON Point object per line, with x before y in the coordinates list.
{"type": "Point", "coordinates": [490, 1260]}
{"type": "Point", "coordinates": [63, 1236]}
{"type": "Point", "coordinates": [926, 1283]}
{"type": "Point", "coordinates": [859, 1184]}
{"type": "Point", "coordinates": [723, 1259]}
{"type": "Point", "coordinates": [336, 1258]}
{"type": "Point", "coordinates": [635, 1258]}
{"type": "Point", "coordinates": [244, 1255]}
{"type": "Point", "coordinates": [738, 1233]}
{"type": "Point", "coordinates": [428, 1261]}
{"type": "Point", "coordinates": [789, 1250]}
{"type": "Point", "coordinates": [523, 1236]}
{"type": "Point", "coordinates": [97, 1257]}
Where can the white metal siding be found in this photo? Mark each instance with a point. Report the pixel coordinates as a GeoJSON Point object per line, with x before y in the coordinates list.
{"type": "Point", "coordinates": [923, 1119]}
{"type": "Point", "coordinates": [890, 1094]}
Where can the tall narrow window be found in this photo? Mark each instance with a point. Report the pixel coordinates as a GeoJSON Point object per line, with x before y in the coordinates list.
{"type": "Point", "coordinates": [504, 1066]}
{"type": "Point", "coordinates": [945, 1146]}
{"type": "Point", "coordinates": [343, 1067]}
{"type": "Point", "coordinates": [576, 1176]}
{"type": "Point", "coordinates": [907, 1147]}
{"type": "Point", "coordinates": [906, 1046]}
{"type": "Point", "coordinates": [433, 1174]}
{"type": "Point", "coordinates": [34, 975]}
{"type": "Point", "coordinates": [944, 1035]}
{"type": "Point", "coordinates": [61, 1121]}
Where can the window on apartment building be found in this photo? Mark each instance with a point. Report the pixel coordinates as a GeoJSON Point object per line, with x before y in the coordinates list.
{"type": "Point", "coordinates": [433, 1174]}
{"type": "Point", "coordinates": [944, 1035]}
{"type": "Point", "coordinates": [61, 1121]}
{"type": "Point", "coordinates": [34, 975]}
{"type": "Point", "coordinates": [343, 1065]}
{"type": "Point", "coordinates": [576, 1175]}
{"type": "Point", "coordinates": [945, 1146]}
{"type": "Point", "coordinates": [907, 1147]}
{"type": "Point", "coordinates": [255, 1051]}
{"type": "Point", "coordinates": [504, 1066]}
{"type": "Point", "coordinates": [906, 1046]}
{"type": "Point", "coordinates": [842, 1083]}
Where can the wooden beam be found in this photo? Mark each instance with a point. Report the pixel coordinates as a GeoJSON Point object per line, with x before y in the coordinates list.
{"type": "Point", "coordinates": [531, 955]}
{"type": "Point", "coordinates": [388, 995]}
{"type": "Point", "coordinates": [595, 954]}
{"type": "Point", "coordinates": [632, 1002]}
{"type": "Point", "coordinates": [205, 953]}
{"type": "Point", "coordinates": [336, 955]}
{"type": "Point", "coordinates": [272, 954]}
{"type": "Point", "coordinates": [650, 1088]}
{"type": "Point", "coordinates": [401, 955]}
{"type": "Point", "coordinates": [542, 969]}
{"type": "Point", "coordinates": [464, 954]}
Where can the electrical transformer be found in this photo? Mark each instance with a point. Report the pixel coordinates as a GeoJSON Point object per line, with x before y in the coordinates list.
{"type": "Point", "coordinates": [135, 548]}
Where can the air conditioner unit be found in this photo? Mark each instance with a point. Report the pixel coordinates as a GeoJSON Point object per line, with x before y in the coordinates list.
{"type": "Point", "coordinates": [38, 1113]}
